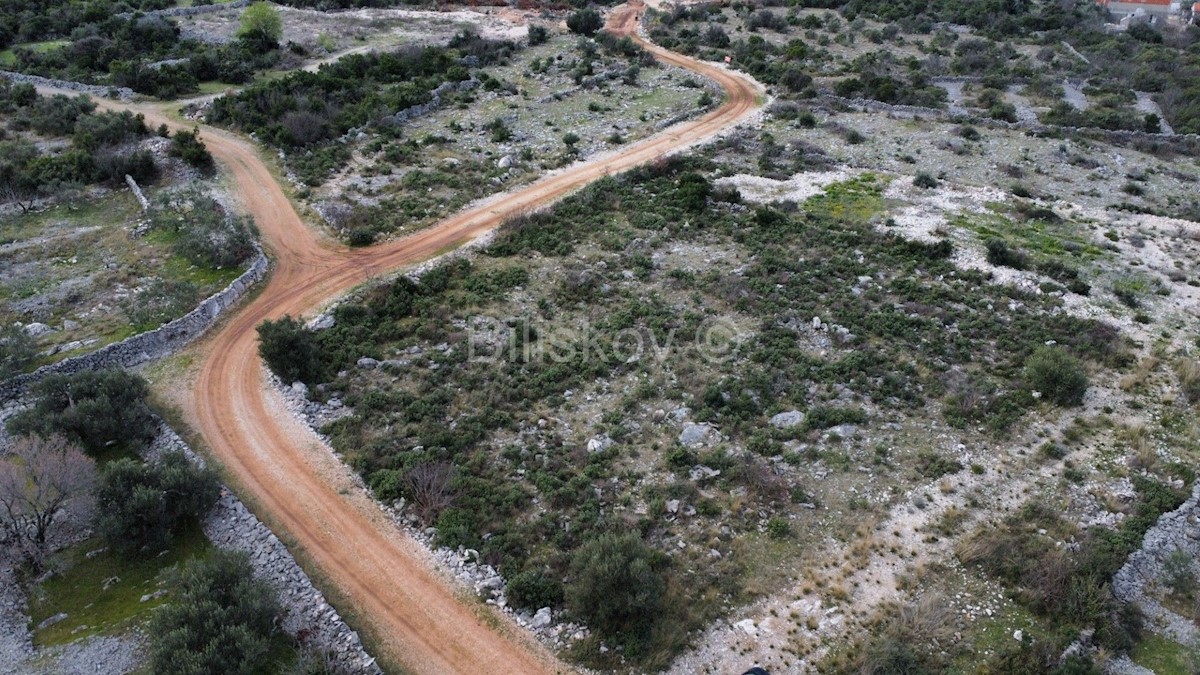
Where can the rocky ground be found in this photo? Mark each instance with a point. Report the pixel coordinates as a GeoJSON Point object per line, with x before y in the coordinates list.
{"type": "Point", "coordinates": [71, 268]}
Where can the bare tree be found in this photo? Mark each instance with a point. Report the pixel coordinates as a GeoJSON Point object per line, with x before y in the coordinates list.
{"type": "Point", "coordinates": [41, 479]}
{"type": "Point", "coordinates": [429, 485]}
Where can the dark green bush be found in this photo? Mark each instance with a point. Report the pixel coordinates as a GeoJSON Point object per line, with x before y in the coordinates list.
{"type": "Point", "coordinates": [1000, 253]}
{"type": "Point", "coordinates": [585, 22]}
{"type": "Point", "coordinates": [143, 505]}
{"type": "Point", "coordinates": [616, 586]}
{"type": "Point", "coordinates": [1060, 377]}
{"type": "Point", "coordinates": [924, 180]}
{"type": "Point", "coordinates": [186, 145]}
{"type": "Point", "coordinates": [220, 619]}
{"type": "Point", "coordinates": [17, 351]}
{"type": "Point", "coordinates": [102, 411]}
{"type": "Point", "coordinates": [290, 350]}
{"type": "Point", "coordinates": [533, 590]}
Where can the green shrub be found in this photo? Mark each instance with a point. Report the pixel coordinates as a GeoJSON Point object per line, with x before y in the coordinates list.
{"type": "Point", "coordinates": [203, 232]}
{"type": "Point", "coordinates": [143, 505]}
{"type": "Point", "coordinates": [924, 180]}
{"type": "Point", "coordinates": [290, 350]}
{"type": "Point", "coordinates": [1060, 377]}
{"type": "Point", "coordinates": [778, 528]}
{"type": "Point", "coordinates": [823, 417]}
{"type": "Point", "coordinates": [537, 34]}
{"type": "Point", "coordinates": [186, 145]}
{"type": "Point", "coordinates": [1178, 574]}
{"type": "Point", "coordinates": [1001, 254]}
{"type": "Point", "coordinates": [585, 22]}
{"type": "Point", "coordinates": [616, 585]}
{"type": "Point", "coordinates": [17, 351]}
{"type": "Point", "coordinates": [533, 590]}
{"type": "Point", "coordinates": [101, 411]}
{"type": "Point", "coordinates": [220, 619]}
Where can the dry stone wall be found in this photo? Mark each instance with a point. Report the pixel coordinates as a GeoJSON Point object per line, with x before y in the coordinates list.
{"type": "Point", "coordinates": [150, 345]}
{"type": "Point", "coordinates": [1178, 530]}
{"type": "Point", "coordinates": [123, 93]}
{"type": "Point", "coordinates": [307, 615]}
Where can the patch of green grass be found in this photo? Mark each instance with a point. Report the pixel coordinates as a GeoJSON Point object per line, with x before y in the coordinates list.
{"type": "Point", "coordinates": [1163, 656]}
{"type": "Point", "coordinates": [8, 57]}
{"type": "Point", "coordinates": [78, 589]}
{"type": "Point", "coordinates": [214, 87]}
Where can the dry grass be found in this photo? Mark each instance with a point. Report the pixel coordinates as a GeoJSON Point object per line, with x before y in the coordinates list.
{"type": "Point", "coordinates": [1188, 372]}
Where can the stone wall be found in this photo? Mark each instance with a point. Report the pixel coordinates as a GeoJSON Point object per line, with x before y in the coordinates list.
{"type": "Point", "coordinates": [1178, 530]}
{"type": "Point", "coordinates": [150, 345]}
{"type": "Point", "coordinates": [123, 93]}
{"type": "Point", "coordinates": [1184, 142]}
{"type": "Point", "coordinates": [307, 615]}
{"type": "Point", "coordinates": [191, 11]}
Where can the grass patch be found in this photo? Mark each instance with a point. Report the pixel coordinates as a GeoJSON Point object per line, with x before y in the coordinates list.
{"type": "Point", "coordinates": [1163, 656]}
{"type": "Point", "coordinates": [78, 588]}
{"type": "Point", "coordinates": [8, 57]}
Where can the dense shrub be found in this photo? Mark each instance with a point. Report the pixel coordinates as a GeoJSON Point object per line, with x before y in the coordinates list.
{"type": "Point", "coordinates": [17, 351]}
{"type": "Point", "coordinates": [203, 232]}
{"type": "Point", "coordinates": [186, 145]}
{"type": "Point", "coordinates": [533, 590]}
{"type": "Point", "coordinates": [101, 410]}
{"type": "Point", "coordinates": [1060, 377]}
{"type": "Point", "coordinates": [220, 619]}
{"type": "Point", "coordinates": [999, 252]}
{"type": "Point", "coordinates": [924, 180]}
{"type": "Point", "coordinates": [617, 586]}
{"type": "Point", "coordinates": [290, 350]}
{"type": "Point", "coordinates": [143, 505]}
{"type": "Point", "coordinates": [585, 22]}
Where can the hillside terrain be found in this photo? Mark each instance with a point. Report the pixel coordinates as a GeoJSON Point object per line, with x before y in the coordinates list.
{"type": "Point", "coordinates": [890, 365]}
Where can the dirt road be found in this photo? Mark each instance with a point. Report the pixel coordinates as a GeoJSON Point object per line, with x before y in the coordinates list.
{"type": "Point", "coordinates": [378, 576]}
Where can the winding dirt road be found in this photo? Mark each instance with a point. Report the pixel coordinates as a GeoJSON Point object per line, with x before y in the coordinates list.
{"type": "Point", "coordinates": [380, 578]}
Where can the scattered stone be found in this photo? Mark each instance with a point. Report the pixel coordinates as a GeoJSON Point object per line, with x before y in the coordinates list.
{"type": "Point", "coordinates": [541, 619]}
{"type": "Point", "coordinates": [599, 443]}
{"type": "Point", "coordinates": [368, 363]}
{"type": "Point", "coordinates": [787, 420]}
{"type": "Point", "coordinates": [36, 330]}
{"type": "Point", "coordinates": [701, 472]}
{"type": "Point", "coordinates": [51, 620]}
{"type": "Point", "coordinates": [697, 435]}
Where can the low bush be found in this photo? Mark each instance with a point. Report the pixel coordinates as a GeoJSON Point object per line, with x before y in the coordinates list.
{"type": "Point", "coordinates": [1000, 253]}
{"type": "Point", "coordinates": [534, 590]}
{"type": "Point", "coordinates": [290, 350]}
{"type": "Point", "coordinates": [1060, 377]}
{"type": "Point", "coordinates": [617, 586]}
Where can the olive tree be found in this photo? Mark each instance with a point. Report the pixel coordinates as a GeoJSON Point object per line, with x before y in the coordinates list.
{"type": "Point", "coordinates": [100, 410]}
{"type": "Point", "coordinates": [142, 504]}
{"type": "Point", "coordinates": [220, 619]}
